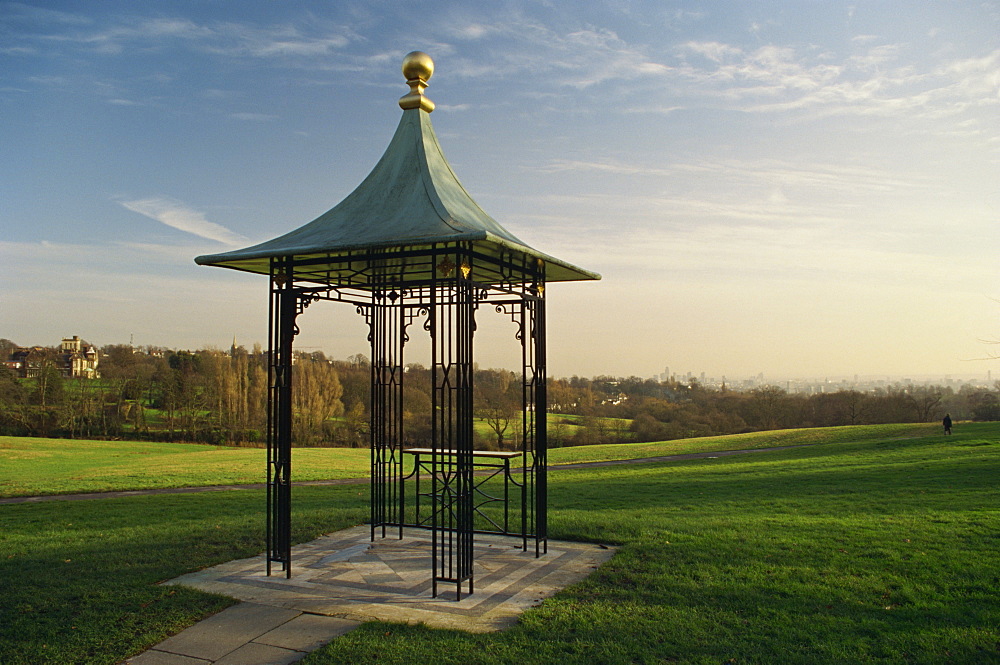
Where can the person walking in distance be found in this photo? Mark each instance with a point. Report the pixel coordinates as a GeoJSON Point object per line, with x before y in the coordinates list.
{"type": "Point", "coordinates": [947, 423]}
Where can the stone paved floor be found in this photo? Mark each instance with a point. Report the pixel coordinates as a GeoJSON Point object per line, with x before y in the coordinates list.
{"type": "Point", "coordinates": [342, 579]}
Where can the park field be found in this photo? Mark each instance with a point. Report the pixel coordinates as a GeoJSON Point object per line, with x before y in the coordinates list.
{"type": "Point", "coordinates": [33, 466]}
{"type": "Point", "coordinates": [870, 546]}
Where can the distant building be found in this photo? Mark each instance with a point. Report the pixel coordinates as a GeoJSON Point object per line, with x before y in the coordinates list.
{"type": "Point", "coordinates": [615, 400]}
{"type": "Point", "coordinates": [75, 359]}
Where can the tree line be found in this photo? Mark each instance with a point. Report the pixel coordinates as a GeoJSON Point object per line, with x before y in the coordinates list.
{"type": "Point", "coordinates": [220, 397]}
{"type": "Point", "coordinates": [658, 411]}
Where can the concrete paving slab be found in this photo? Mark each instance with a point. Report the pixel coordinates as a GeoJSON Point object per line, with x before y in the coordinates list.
{"type": "Point", "coordinates": [345, 575]}
{"type": "Point", "coordinates": [154, 657]}
{"type": "Point", "coordinates": [306, 632]}
{"type": "Point", "coordinates": [261, 654]}
{"type": "Point", "coordinates": [223, 633]}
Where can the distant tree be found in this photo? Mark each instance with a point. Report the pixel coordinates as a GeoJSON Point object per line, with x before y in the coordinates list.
{"type": "Point", "coordinates": [562, 397]}
{"type": "Point", "coordinates": [855, 407]}
{"type": "Point", "coordinates": [417, 412]}
{"type": "Point", "coordinates": [48, 384]}
{"type": "Point", "coordinates": [355, 381]}
{"type": "Point", "coordinates": [557, 427]}
{"type": "Point", "coordinates": [766, 407]}
{"type": "Point", "coordinates": [359, 360]}
{"type": "Point", "coordinates": [647, 428]}
{"type": "Point", "coordinates": [13, 404]}
{"type": "Point", "coordinates": [498, 403]}
{"type": "Point", "coordinates": [82, 407]}
{"type": "Point", "coordinates": [355, 425]}
{"type": "Point", "coordinates": [501, 414]}
{"type": "Point", "coordinates": [984, 405]}
{"type": "Point", "coordinates": [924, 400]}
{"type": "Point", "coordinates": [890, 405]}
{"type": "Point", "coordinates": [7, 347]}
{"type": "Point", "coordinates": [316, 393]}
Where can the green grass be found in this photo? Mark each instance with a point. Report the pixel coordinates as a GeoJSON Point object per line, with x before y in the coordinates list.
{"type": "Point", "coordinates": [879, 550]}
{"type": "Point", "coordinates": [79, 579]}
{"type": "Point", "coordinates": [751, 441]}
{"type": "Point", "coordinates": [568, 423]}
{"type": "Point", "coordinates": [34, 466]}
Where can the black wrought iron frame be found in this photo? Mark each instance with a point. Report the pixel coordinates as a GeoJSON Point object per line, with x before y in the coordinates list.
{"type": "Point", "coordinates": [444, 285]}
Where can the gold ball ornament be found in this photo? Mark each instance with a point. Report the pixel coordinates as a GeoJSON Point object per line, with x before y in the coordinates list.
{"type": "Point", "coordinates": [418, 65]}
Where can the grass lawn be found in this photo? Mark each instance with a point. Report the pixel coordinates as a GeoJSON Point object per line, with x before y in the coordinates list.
{"type": "Point", "coordinates": [877, 550]}
{"type": "Point", "coordinates": [559, 426]}
{"type": "Point", "coordinates": [30, 466]}
{"type": "Point", "coordinates": [881, 551]}
{"type": "Point", "coordinates": [751, 441]}
{"type": "Point", "coordinates": [78, 579]}
{"type": "Point", "coordinates": [33, 466]}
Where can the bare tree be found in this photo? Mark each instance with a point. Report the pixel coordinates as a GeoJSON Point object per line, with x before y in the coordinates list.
{"type": "Point", "coordinates": [498, 403]}
{"type": "Point", "coordinates": [924, 401]}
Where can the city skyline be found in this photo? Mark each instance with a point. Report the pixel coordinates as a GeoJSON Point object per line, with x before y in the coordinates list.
{"type": "Point", "coordinates": [799, 189]}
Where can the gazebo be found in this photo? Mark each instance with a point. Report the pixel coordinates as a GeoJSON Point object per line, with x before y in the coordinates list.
{"type": "Point", "coordinates": [410, 245]}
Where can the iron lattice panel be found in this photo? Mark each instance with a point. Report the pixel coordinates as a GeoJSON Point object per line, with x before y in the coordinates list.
{"type": "Point", "coordinates": [442, 288]}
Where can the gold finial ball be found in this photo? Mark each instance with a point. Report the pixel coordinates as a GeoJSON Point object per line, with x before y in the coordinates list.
{"type": "Point", "coordinates": [418, 65]}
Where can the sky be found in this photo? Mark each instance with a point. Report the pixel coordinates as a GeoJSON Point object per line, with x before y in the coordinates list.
{"type": "Point", "coordinates": [793, 188]}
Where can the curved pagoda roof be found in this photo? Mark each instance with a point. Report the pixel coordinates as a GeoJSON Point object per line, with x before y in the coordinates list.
{"type": "Point", "coordinates": [411, 200]}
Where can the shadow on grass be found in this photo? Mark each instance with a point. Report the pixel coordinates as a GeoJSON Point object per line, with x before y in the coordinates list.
{"type": "Point", "coordinates": [896, 476]}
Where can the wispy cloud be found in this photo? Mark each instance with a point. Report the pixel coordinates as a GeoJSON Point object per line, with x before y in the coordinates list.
{"type": "Point", "coordinates": [769, 171]}
{"type": "Point", "coordinates": [575, 58]}
{"type": "Point", "coordinates": [876, 82]}
{"type": "Point", "coordinates": [236, 40]}
{"type": "Point", "coordinates": [232, 39]}
{"type": "Point", "coordinates": [117, 39]}
{"type": "Point", "coordinates": [178, 216]}
{"type": "Point", "coordinates": [135, 255]}
{"type": "Point", "coordinates": [48, 80]}
{"type": "Point", "coordinates": [18, 50]}
{"type": "Point", "coordinates": [20, 12]}
{"type": "Point", "coordinates": [253, 117]}
{"type": "Point", "coordinates": [605, 166]}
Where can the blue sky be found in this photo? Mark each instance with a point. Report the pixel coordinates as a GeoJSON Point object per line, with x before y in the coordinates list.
{"type": "Point", "coordinates": [794, 188]}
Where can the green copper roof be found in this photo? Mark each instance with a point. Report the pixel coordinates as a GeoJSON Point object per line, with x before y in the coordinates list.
{"type": "Point", "coordinates": [411, 199]}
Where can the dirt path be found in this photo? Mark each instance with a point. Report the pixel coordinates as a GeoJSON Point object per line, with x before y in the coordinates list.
{"type": "Point", "coordinates": [364, 481]}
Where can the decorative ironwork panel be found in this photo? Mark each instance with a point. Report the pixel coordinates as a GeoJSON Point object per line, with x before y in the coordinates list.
{"type": "Point", "coordinates": [535, 421]}
{"type": "Point", "coordinates": [451, 323]}
{"type": "Point", "coordinates": [388, 317]}
{"type": "Point", "coordinates": [282, 312]}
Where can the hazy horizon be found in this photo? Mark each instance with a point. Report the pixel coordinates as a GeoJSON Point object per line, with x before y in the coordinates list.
{"type": "Point", "coordinates": [678, 373]}
{"type": "Point", "coordinates": [799, 189]}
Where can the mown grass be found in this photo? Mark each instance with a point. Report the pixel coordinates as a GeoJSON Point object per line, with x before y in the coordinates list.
{"type": "Point", "coordinates": [750, 441]}
{"type": "Point", "coordinates": [877, 551]}
{"type": "Point", "coordinates": [882, 551]}
{"type": "Point", "coordinates": [78, 579]}
{"type": "Point", "coordinates": [37, 466]}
